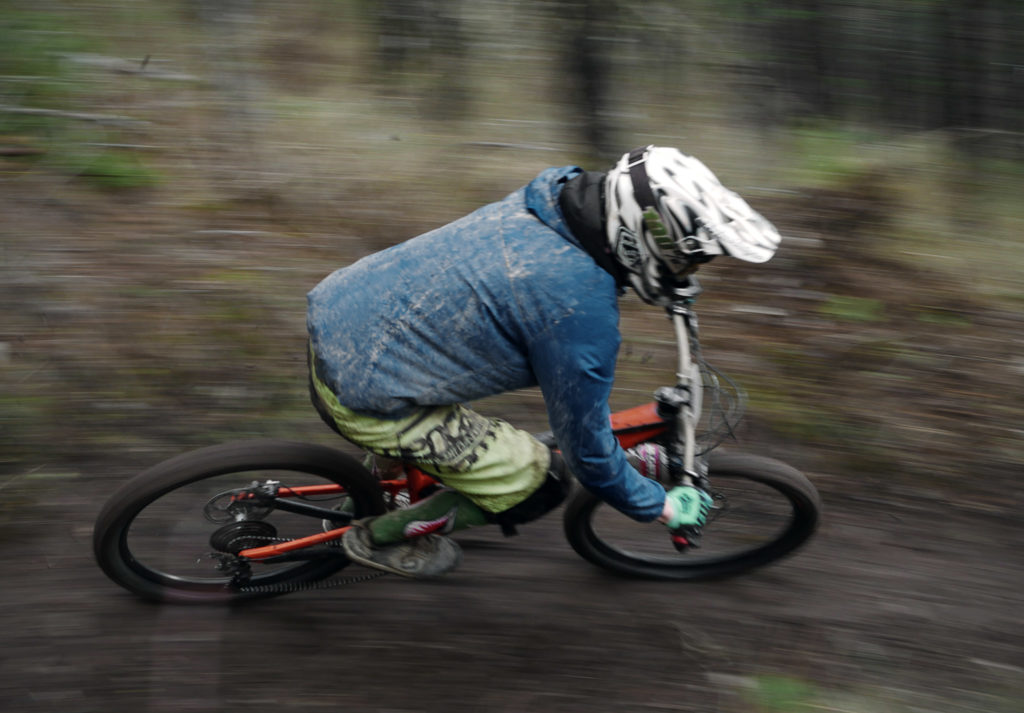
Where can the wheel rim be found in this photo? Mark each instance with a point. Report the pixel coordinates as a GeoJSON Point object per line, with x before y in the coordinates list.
{"type": "Point", "coordinates": [752, 521]}
{"type": "Point", "coordinates": [167, 540]}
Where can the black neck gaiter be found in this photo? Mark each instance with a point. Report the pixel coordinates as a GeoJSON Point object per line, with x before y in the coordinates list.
{"type": "Point", "coordinates": [582, 205]}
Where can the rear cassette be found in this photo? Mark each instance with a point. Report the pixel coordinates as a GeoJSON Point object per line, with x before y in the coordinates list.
{"type": "Point", "coordinates": [240, 536]}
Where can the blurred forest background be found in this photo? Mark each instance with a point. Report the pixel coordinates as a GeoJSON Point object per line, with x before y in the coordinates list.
{"type": "Point", "coordinates": [176, 174]}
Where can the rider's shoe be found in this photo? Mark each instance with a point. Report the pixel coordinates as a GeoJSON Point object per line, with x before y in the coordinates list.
{"type": "Point", "coordinates": [422, 557]}
{"type": "Point", "coordinates": [411, 542]}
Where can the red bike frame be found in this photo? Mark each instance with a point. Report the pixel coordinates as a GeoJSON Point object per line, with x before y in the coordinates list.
{"type": "Point", "coordinates": [631, 426]}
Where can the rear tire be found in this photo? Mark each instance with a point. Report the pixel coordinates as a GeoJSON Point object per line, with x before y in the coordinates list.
{"type": "Point", "coordinates": [151, 537]}
{"type": "Point", "coordinates": [770, 509]}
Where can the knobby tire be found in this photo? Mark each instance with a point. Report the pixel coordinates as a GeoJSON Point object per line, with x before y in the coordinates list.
{"type": "Point", "coordinates": [797, 510]}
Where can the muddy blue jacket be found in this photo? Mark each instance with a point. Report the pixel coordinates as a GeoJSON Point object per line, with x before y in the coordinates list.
{"type": "Point", "coordinates": [502, 299]}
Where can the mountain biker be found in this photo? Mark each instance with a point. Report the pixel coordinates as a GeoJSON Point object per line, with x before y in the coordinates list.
{"type": "Point", "coordinates": [518, 293]}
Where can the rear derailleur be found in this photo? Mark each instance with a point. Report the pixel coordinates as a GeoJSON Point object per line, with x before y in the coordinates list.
{"type": "Point", "coordinates": [237, 567]}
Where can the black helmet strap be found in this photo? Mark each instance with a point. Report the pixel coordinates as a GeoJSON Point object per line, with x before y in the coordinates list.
{"type": "Point", "coordinates": [644, 196]}
{"type": "Point", "coordinates": [638, 175]}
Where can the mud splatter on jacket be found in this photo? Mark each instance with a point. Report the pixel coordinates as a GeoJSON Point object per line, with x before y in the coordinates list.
{"type": "Point", "coordinates": [501, 299]}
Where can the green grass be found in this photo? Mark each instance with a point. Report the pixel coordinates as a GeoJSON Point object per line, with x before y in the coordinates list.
{"type": "Point", "coordinates": [113, 170]}
{"type": "Point", "coordinates": [782, 403]}
{"type": "Point", "coordinates": [36, 74]}
{"type": "Point", "coordinates": [941, 318]}
{"type": "Point", "coordinates": [31, 45]}
{"type": "Point", "coordinates": [779, 693]}
{"type": "Point", "coordinates": [782, 694]}
{"type": "Point", "coordinates": [853, 309]}
{"type": "Point", "coordinates": [826, 154]}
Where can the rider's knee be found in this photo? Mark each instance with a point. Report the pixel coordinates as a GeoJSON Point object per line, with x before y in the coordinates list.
{"type": "Point", "coordinates": [551, 493]}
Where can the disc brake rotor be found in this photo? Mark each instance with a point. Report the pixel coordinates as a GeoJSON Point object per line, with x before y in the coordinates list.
{"type": "Point", "coordinates": [232, 506]}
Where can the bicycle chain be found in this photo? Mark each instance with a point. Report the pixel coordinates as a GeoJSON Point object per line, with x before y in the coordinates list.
{"type": "Point", "coordinates": [288, 587]}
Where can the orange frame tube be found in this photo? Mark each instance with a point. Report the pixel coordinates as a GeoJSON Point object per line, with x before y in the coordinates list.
{"type": "Point", "coordinates": [258, 553]}
{"type": "Point", "coordinates": [638, 424]}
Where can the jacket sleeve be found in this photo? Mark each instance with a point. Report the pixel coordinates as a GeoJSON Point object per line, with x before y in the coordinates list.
{"type": "Point", "coordinates": [574, 362]}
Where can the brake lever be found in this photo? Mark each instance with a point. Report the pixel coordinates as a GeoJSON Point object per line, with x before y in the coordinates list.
{"type": "Point", "coordinates": [686, 538]}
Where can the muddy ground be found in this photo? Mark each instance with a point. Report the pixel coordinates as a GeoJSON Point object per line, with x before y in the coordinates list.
{"type": "Point", "coordinates": [130, 335]}
{"type": "Point", "coordinates": [891, 608]}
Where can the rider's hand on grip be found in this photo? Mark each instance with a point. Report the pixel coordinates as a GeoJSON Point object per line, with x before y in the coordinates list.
{"type": "Point", "coordinates": [690, 507]}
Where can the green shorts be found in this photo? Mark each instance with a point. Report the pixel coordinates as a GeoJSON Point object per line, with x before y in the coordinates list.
{"type": "Point", "coordinates": [492, 463]}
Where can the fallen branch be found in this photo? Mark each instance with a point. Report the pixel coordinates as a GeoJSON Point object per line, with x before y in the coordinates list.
{"type": "Point", "coordinates": [15, 151]}
{"type": "Point", "coordinates": [79, 116]}
{"type": "Point", "coordinates": [145, 68]}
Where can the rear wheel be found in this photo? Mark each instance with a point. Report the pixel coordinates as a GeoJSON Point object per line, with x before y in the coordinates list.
{"type": "Point", "coordinates": [764, 510]}
{"type": "Point", "coordinates": [164, 534]}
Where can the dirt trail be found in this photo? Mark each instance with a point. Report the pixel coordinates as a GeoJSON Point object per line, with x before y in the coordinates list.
{"type": "Point", "coordinates": [892, 607]}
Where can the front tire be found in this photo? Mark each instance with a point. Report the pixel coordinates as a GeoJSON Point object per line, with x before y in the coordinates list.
{"type": "Point", "coordinates": [765, 510]}
{"type": "Point", "coordinates": [153, 538]}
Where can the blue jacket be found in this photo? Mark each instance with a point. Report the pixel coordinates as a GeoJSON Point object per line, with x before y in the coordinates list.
{"type": "Point", "coordinates": [501, 299]}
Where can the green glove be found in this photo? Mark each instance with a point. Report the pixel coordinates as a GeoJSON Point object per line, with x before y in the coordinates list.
{"type": "Point", "coordinates": [690, 507]}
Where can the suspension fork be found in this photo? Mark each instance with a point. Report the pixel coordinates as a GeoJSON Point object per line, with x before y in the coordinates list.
{"type": "Point", "coordinates": [684, 322]}
{"type": "Point", "coordinates": [681, 404]}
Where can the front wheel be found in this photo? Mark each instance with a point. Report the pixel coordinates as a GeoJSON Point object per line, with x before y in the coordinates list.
{"type": "Point", "coordinates": [764, 509]}
{"type": "Point", "coordinates": [163, 534]}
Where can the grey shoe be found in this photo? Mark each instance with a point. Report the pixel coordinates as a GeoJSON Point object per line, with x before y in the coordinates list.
{"type": "Point", "coordinates": [420, 557]}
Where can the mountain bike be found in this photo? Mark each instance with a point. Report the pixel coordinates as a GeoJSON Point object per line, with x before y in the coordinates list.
{"type": "Point", "coordinates": [258, 518]}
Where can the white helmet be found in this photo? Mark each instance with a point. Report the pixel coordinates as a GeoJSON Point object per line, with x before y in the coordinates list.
{"type": "Point", "coordinates": [667, 213]}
